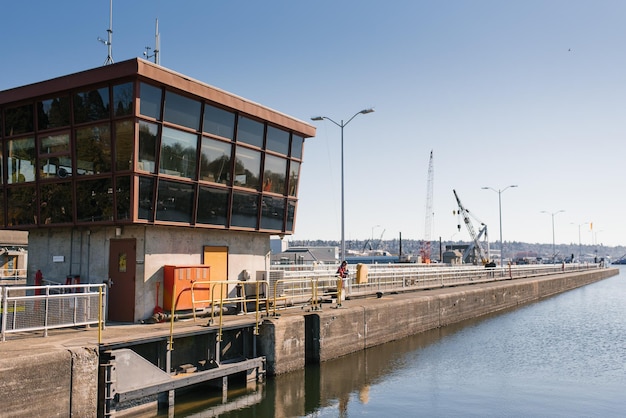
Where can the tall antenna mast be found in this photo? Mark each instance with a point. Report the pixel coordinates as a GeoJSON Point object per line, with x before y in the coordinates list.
{"type": "Point", "coordinates": [146, 53]}
{"type": "Point", "coordinates": [109, 41]}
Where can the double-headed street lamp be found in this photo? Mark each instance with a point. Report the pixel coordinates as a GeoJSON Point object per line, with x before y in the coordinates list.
{"type": "Point", "coordinates": [343, 208]}
{"type": "Point", "coordinates": [553, 243]}
{"type": "Point", "coordinates": [500, 191]}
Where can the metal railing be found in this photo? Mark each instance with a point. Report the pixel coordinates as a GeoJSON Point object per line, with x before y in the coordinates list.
{"type": "Point", "coordinates": [380, 278]}
{"type": "Point", "coordinates": [42, 308]}
{"type": "Point", "coordinates": [12, 274]}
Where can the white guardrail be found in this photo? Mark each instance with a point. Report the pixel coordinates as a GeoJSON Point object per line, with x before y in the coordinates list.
{"type": "Point", "coordinates": [41, 308]}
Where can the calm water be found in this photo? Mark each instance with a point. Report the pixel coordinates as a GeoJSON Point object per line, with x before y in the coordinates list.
{"type": "Point", "coordinates": [561, 357]}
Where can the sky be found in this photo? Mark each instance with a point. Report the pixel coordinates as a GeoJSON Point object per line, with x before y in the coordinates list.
{"type": "Point", "coordinates": [529, 93]}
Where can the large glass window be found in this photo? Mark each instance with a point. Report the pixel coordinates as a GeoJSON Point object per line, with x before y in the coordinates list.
{"type": "Point", "coordinates": [54, 156]}
{"type": "Point", "coordinates": [272, 213]}
{"type": "Point", "coordinates": [212, 206]}
{"type": "Point", "coordinates": [146, 198]}
{"type": "Point", "coordinates": [218, 121]}
{"type": "Point", "coordinates": [93, 150]}
{"type": "Point", "coordinates": [91, 105]}
{"type": "Point", "coordinates": [178, 153]}
{"type": "Point", "coordinates": [123, 99]}
{"type": "Point", "coordinates": [181, 110]}
{"type": "Point", "coordinates": [18, 120]}
{"type": "Point", "coordinates": [175, 201]}
{"type": "Point", "coordinates": [294, 177]}
{"type": "Point", "coordinates": [94, 200]}
{"type": "Point", "coordinates": [124, 144]}
{"type": "Point", "coordinates": [277, 140]}
{"type": "Point", "coordinates": [247, 168]}
{"type": "Point", "coordinates": [150, 101]}
{"type": "Point", "coordinates": [21, 205]}
{"type": "Point", "coordinates": [53, 113]}
{"type": "Point", "coordinates": [297, 143]}
{"type": "Point", "coordinates": [21, 160]}
{"type": "Point", "coordinates": [56, 203]}
{"type": "Point", "coordinates": [147, 146]}
{"type": "Point", "coordinates": [215, 161]}
{"type": "Point", "coordinates": [291, 215]}
{"type": "Point", "coordinates": [274, 174]}
{"type": "Point", "coordinates": [245, 210]}
{"type": "Point", "coordinates": [250, 131]}
{"type": "Point", "coordinates": [122, 196]}
{"type": "Point", "coordinates": [2, 223]}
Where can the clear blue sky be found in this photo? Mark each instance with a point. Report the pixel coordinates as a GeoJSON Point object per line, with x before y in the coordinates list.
{"type": "Point", "coordinates": [528, 92]}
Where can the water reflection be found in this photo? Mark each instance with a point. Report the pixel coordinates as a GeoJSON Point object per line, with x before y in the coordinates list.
{"type": "Point", "coordinates": [564, 356]}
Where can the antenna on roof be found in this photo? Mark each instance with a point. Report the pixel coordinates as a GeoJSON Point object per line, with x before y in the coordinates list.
{"type": "Point", "coordinates": [109, 41]}
{"type": "Point", "coordinates": [157, 40]}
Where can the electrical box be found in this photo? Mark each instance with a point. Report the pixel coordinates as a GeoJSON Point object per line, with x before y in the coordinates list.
{"type": "Point", "coordinates": [177, 284]}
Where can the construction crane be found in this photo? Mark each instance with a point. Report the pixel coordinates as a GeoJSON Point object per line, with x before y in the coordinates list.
{"type": "Point", "coordinates": [475, 246]}
{"type": "Point", "coordinates": [428, 223]}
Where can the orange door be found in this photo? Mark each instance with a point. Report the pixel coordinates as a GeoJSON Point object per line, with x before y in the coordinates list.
{"type": "Point", "coordinates": [122, 256]}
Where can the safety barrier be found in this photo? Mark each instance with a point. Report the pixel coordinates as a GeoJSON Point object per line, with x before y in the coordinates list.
{"type": "Point", "coordinates": [12, 274]}
{"type": "Point", "coordinates": [42, 308]}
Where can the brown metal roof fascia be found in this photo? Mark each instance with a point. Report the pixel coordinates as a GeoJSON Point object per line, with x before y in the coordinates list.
{"type": "Point", "coordinates": [71, 81]}
{"type": "Point", "coordinates": [184, 83]}
{"type": "Point", "coordinates": [146, 69]}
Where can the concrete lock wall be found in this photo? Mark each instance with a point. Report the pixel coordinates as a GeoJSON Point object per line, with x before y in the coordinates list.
{"type": "Point", "coordinates": [59, 383]}
{"type": "Point", "coordinates": [360, 324]}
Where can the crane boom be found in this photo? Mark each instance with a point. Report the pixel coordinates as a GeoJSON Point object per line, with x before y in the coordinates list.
{"type": "Point", "coordinates": [484, 258]}
{"type": "Point", "coordinates": [428, 223]}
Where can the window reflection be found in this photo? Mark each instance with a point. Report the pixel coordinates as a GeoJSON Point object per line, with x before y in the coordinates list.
{"type": "Point", "coordinates": [297, 143]}
{"type": "Point", "coordinates": [150, 101]}
{"type": "Point", "coordinates": [124, 144]}
{"type": "Point", "coordinates": [181, 110]}
{"type": "Point", "coordinates": [55, 203]}
{"type": "Point", "coordinates": [21, 205]}
{"type": "Point", "coordinates": [291, 215]}
{"type": "Point", "coordinates": [94, 200]}
{"type": "Point", "coordinates": [178, 153]}
{"type": "Point", "coordinates": [93, 150]}
{"type": "Point", "coordinates": [174, 201]}
{"type": "Point", "coordinates": [250, 131]}
{"type": "Point", "coordinates": [53, 113]}
{"type": "Point", "coordinates": [122, 196]}
{"type": "Point", "coordinates": [212, 206]}
{"type": "Point", "coordinates": [91, 105]}
{"type": "Point", "coordinates": [147, 146]}
{"type": "Point", "coordinates": [274, 174]}
{"type": "Point", "coordinates": [123, 99]}
{"type": "Point", "coordinates": [54, 156]}
{"type": "Point", "coordinates": [294, 173]}
{"type": "Point", "coordinates": [146, 198]}
{"type": "Point", "coordinates": [18, 120]}
{"type": "Point", "coordinates": [277, 140]}
{"type": "Point", "coordinates": [218, 122]}
{"type": "Point", "coordinates": [247, 168]}
{"type": "Point", "coordinates": [245, 209]}
{"type": "Point", "coordinates": [21, 160]}
{"type": "Point", "coordinates": [215, 161]}
{"type": "Point", "coordinates": [272, 213]}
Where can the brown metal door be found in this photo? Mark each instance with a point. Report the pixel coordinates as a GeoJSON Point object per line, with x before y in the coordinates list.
{"type": "Point", "coordinates": [122, 263]}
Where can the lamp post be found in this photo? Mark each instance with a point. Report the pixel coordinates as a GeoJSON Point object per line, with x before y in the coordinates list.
{"type": "Point", "coordinates": [343, 207]}
{"type": "Point", "coordinates": [553, 244]}
{"type": "Point", "coordinates": [500, 191]}
{"type": "Point", "coordinates": [580, 249]}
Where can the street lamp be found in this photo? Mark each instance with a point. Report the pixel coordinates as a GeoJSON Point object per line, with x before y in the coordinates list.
{"type": "Point", "coordinates": [343, 207]}
{"type": "Point", "coordinates": [553, 245]}
{"type": "Point", "coordinates": [580, 248]}
{"type": "Point", "coordinates": [500, 213]}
